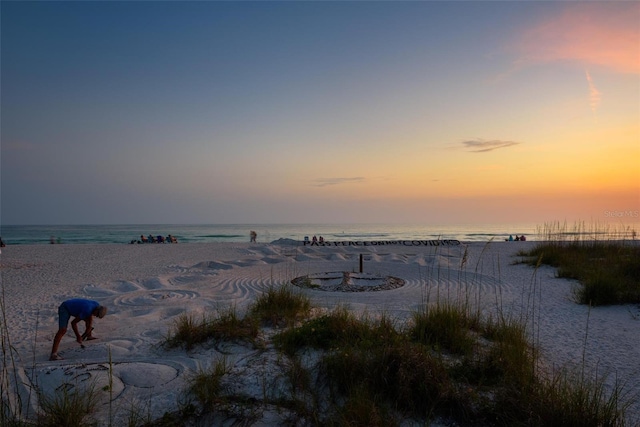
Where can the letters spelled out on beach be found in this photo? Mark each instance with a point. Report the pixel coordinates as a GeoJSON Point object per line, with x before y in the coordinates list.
{"type": "Point", "coordinates": [385, 242]}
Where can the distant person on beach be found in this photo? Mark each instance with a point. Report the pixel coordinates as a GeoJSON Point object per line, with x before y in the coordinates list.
{"type": "Point", "coordinates": [522, 238]}
{"type": "Point", "coordinates": [510, 237]}
{"type": "Point", "coordinates": [2, 245]}
{"type": "Point", "coordinates": [253, 236]}
{"type": "Point", "coordinates": [143, 239]}
{"type": "Point", "coordinates": [172, 239]}
{"type": "Point", "coordinates": [79, 309]}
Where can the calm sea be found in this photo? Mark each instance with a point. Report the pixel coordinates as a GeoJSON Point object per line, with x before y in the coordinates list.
{"type": "Point", "coordinates": [42, 234]}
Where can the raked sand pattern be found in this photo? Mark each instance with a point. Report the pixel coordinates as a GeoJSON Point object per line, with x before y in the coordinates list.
{"type": "Point", "coordinates": [147, 287]}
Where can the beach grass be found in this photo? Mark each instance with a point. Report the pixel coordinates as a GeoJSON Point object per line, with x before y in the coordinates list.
{"type": "Point", "coordinates": [445, 326]}
{"type": "Point", "coordinates": [333, 330]}
{"type": "Point", "coordinates": [206, 385]}
{"type": "Point", "coordinates": [607, 269]}
{"type": "Point", "coordinates": [280, 306]}
{"type": "Point", "coordinates": [486, 376]}
{"type": "Point", "coordinates": [371, 370]}
{"type": "Point", "coordinates": [574, 399]}
{"type": "Point", "coordinates": [11, 404]}
{"type": "Point", "coordinates": [222, 325]}
{"type": "Point", "coordinates": [68, 407]}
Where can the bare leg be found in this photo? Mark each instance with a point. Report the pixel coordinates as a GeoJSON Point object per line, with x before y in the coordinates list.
{"type": "Point", "coordinates": [56, 343]}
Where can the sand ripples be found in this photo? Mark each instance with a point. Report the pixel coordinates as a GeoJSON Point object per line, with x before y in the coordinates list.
{"type": "Point", "coordinates": [156, 297]}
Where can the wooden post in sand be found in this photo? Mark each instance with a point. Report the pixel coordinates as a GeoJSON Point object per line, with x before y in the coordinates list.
{"type": "Point", "coordinates": [360, 263]}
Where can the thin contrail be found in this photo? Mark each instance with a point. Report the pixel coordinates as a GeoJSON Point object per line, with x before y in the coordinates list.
{"type": "Point", "coordinates": [594, 93]}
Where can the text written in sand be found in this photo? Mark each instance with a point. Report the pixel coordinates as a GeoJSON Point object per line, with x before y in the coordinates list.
{"type": "Point", "coordinates": [386, 242]}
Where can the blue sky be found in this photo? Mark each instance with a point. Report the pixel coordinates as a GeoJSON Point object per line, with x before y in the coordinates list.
{"type": "Point", "coordinates": [276, 112]}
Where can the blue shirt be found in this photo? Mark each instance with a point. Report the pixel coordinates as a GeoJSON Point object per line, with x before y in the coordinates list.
{"type": "Point", "coordinates": [80, 308]}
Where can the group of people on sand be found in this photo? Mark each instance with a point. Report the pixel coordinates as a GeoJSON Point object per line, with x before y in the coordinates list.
{"type": "Point", "coordinates": [156, 239]}
{"type": "Point", "coordinates": [517, 238]}
{"type": "Point", "coordinates": [314, 239]}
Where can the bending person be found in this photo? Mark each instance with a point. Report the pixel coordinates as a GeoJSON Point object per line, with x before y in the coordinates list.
{"type": "Point", "coordinates": [79, 309]}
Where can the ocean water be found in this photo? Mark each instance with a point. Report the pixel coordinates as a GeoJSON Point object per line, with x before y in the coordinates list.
{"type": "Point", "coordinates": [42, 234]}
{"type": "Point", "coordinates": [125, 234]}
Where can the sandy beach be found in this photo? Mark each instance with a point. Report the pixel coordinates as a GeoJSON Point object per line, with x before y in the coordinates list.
{"type": "Point", "coordinates": [147, 287]}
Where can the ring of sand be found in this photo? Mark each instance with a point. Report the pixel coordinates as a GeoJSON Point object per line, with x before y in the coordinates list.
{"type": "Point", "coordinates": [345, 281]}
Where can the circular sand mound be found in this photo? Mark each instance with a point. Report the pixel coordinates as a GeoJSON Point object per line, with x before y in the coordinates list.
{"type": "Point", "coordinates": [345, 281]}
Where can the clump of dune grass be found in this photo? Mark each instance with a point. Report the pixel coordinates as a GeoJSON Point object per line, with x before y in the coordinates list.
{"type": "Point", "coordinates": [510, 358]}
{"type": "Point", "coordinates": [223, 325]}
{"type": "Point", "coordinates": [406, 377]}
{"type": "Point", "coordinates": [571, 399]}
{"type": "Point", "coordinates": [445, 326]}
{"type": "Point", "coordinates": [564, 398]}
{"type": "Point", "coordinates": [206, 385]}
{"type": "Point", "coordinates": [473, 371]}
{"type": "Point", "coordinates": [360, 408]}
{"type": "Point", "coordinates": [335, 329]}
{"type": "Point", "coordinates": [372, 366]}
{"type": "Point", "coordinates": [280, 306]}
{"type": "Point", "coordinates": [69, 407]}
{"type": "Point", "coordinates": [608, 270]}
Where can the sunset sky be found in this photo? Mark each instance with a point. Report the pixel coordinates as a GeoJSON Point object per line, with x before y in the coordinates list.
{"type": "Point", "coordinates": [334, 112]}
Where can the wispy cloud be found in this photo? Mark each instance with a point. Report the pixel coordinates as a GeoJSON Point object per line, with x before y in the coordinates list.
{"type": "Point", "coordinates": [325, 182]}
{"type": "Point", "coordinates": [594, 93]}
{"type": "Point", "coordinates": [483, 146]}
{"type": "Point", "coordinates": [603, 34]}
